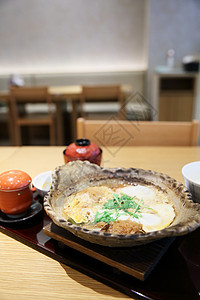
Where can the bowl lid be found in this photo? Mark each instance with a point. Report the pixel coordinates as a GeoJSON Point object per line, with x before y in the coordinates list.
{"type": "Point", "coordinates": [14, 180]}
{"type": "Point", "coordinates": [82, 148]}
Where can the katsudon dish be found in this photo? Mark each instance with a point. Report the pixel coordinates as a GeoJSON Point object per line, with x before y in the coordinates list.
{"type": "Point", "coordinates": [123, 209]}
{"type": "Point", "coordinates": [119, 207]}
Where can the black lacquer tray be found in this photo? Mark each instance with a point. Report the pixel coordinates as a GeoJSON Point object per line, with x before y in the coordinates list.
{"type": "Point", "coordinates": [175, 276]}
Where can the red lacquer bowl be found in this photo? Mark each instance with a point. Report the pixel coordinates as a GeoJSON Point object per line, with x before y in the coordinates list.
{"type": "Point", "coordinates": [83, 149]}
{"type": "Point", "coordinates": [15, 192]}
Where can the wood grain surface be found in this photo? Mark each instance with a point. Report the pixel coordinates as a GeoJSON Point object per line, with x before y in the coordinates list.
{"type": "Point", "coordinates": [28, 274]}
{"type": "Point", "coordinates": [135, 261]}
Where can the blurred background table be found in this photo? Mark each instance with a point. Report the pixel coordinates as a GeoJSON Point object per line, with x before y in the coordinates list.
{"type": "Point", "coordinates": [66, 93]}
{"type": "Point", "coordinates": [61, 95]}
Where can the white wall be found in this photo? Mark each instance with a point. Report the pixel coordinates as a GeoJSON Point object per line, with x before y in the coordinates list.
{"type": "Point", "coordinates": [80, 38]}
{"type": "Point", "coordinates": [72, 35]}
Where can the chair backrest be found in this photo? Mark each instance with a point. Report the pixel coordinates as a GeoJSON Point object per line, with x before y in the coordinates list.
{"type": "Point", "coordinates": [115, 132]}
{"type": "Point", "coordinates": [101, 93]}
{"type": "Point", "coordinates": [32, 95]}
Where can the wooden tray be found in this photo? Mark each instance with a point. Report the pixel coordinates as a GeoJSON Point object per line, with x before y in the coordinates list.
{"type": "Point", "coordinates": [176, 276]}
{"type": "Point", "coordinates": [136, 261]}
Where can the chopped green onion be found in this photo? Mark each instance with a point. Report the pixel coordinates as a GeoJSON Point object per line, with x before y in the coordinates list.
{"type": "Point", "coordinates": [119, 206]}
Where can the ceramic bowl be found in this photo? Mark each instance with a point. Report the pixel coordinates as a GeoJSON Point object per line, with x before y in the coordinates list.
{"type": "Point", "coordinates": [78, 175]}
{"type": "Point", "coordinates": [191, 174]}
{"type": "Point", "coordinates": [15, 192]}
{"type": "Point", "coordinates": [83, 149]}
{"type": "Point", "coordinates": [42, 182]}
{"type": "Point", "coordinates": [94, 160]}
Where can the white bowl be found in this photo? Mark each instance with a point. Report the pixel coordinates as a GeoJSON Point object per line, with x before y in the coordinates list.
{"type": "Point", "coordinates": [42, 182]}
{"type": "Point", "coordinates": [191, 174]}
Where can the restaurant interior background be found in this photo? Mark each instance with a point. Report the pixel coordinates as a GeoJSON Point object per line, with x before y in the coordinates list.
{"type": "Point", "coordinates": [67, 42]}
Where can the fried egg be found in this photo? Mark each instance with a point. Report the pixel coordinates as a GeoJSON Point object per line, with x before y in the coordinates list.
{"type": "Point", "coordinates": [138, 191]}
{"type": "Point", "coordinates": [161, 212]}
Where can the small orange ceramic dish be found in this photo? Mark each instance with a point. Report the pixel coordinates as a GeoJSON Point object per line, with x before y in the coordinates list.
{"type": "Point", "coordinates": [83, 149]}
{"type": "Point", "coordinates": [15, 192]}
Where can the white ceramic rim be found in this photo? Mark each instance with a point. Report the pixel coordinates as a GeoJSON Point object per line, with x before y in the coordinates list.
{"type": "Point", "coordinates": [41, 175]}
{"type": "Point", "coordinates": [185, 176]}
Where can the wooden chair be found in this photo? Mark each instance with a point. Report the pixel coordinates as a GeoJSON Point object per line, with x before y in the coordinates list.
{"type": "Point", "coordinates": [115, 132]}
{"type": "Point", "coordinates": [101, 94]}
{"type": "Point", "coordinates": [21, 96]}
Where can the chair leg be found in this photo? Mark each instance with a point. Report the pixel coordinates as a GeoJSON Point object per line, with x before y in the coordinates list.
{"type": "Point", "coordinates": [52, 134]}
{"type": "Point", "coordinates": [18, 141]}
{"type": "Point", "coordinates": [11, 124]}
{"type": "Point", "coordinates": [59, 123]}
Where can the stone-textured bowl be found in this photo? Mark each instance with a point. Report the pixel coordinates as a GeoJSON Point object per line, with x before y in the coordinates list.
{"type": "Point", "coordinates": [76, 176]}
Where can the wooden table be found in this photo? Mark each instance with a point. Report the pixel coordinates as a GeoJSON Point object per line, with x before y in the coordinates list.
{"type": "Point", "coordinates": [28, 274]}
{"type": "Point", "coordinates": [60, 94]}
